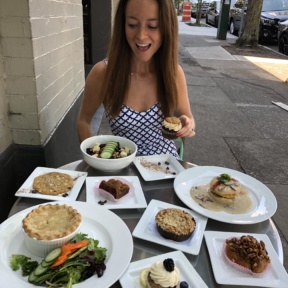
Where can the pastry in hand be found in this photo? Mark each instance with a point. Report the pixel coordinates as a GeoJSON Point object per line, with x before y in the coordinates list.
{"type": "Point", "coordinates": [170, 126]}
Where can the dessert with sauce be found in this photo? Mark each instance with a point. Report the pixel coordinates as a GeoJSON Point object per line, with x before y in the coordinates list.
{"type": "Point", "coordinates": [223, 193]}
{"type": "Point", "coordinates": [175, 224]}
{"type": "Point", "coordinates": [170, 126]}
{"type": "Point", "coordinates": [161, 274]}
{"type": "Point", "coordinates": [247, 252]}
{"type": "Point", "coordinates": [224, 189]}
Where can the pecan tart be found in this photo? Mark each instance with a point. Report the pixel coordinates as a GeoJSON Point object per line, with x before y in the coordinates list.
{"type": "Point", "coordinates": [49, 222]}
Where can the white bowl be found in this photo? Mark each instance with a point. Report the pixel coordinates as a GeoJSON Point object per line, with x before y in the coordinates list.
{"type": "Point", "coordinates": [42, 247]}
{"type": "Point", "coordinates": [108, 165]}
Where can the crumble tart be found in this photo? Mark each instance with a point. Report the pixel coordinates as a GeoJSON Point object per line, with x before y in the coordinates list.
{"type": "Point", "coordinates": [175, 224]}
{"type": "Point", "coordinates": [53, 183]}
{"type": "Point", "coordinates": [49, 222]}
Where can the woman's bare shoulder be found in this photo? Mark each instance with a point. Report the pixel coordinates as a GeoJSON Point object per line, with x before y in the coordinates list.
{"type": "Point", "coordinates": [97, 70]}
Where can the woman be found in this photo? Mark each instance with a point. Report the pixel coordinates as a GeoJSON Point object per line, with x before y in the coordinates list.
{"type": "Point", "coordinates": [141, 82]}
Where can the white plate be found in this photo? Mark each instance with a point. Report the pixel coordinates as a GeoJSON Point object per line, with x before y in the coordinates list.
{"type": "Point", "coordinates": [26, 189]}
{"type": "Point", "coordinates": [274, 276]}
{"type": "Point", "coordinates": [146, 228]}
{"type": "Point", "coordinates": [149, 174]}
{"type": "Point", "coordinates": [131, 278]}
{"type": "Point", "coordinates": [264, 201]}
{"type": "Point", "coordinates": [132, 200]}
{"type": "Point", "coordinates": [98, 223]}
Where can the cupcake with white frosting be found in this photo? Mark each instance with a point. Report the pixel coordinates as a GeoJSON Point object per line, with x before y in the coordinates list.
{"type": "Point", "coordinates": [170, 126]}
{"type": "Point", "coordinates": [163, 274]}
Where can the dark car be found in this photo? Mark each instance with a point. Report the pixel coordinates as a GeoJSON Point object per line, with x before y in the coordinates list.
{"type": "Point", "coordinates": [213, 12]}
{"type": "Point", "coordinates": [273, 13]}
{"type": "Point", "coordinates": [283, 37]}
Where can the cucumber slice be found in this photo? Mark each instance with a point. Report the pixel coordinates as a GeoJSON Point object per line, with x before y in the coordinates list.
{"type": "Point", "coordinates": [45, 264]}
{"type": "Point", "coordinates": [32, 277]}
{"type": "Point", "coordinates": [40, 270]}
{"type": "Point", "coordinates": [106, 155]}
{"type": "Point", "coordinates": [53, 255]}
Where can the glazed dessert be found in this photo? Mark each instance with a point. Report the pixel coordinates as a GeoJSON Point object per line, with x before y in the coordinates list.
{"type": "Point", "coordinates": [115, 187]}
{"type": "Point", "coordinates": [162, 274]}
{"type": "Point", "coordinates": [224, 189]}
{"type": "Point", "coordinates": [175, 224]}
{"type": "Point", "coordinates": [53, 183]}
{"type": "Point", "coordinates": [247, 252]}
{"type": "Point", "coordinates": [170, 126]}
{"type": "Point", "coordinates": [49, 222]}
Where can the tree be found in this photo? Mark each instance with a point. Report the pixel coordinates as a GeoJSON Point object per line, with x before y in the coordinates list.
{"type": "Point", "coordinates": [198, 12]}
{"type": "Point", "coordinates": [250, 34]}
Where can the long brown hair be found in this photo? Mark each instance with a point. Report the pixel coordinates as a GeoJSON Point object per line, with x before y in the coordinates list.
{"type": "Point", "coordinates": [119, 57]}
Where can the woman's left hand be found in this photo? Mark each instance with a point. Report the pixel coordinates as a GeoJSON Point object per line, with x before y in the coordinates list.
{"type": "Point", "coordinates": [188, 127]}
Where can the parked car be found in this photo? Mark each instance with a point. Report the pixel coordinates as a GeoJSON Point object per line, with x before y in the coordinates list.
{"type": "Point", "coordinates": [283, 37]}
{"type": "Point", "coordinates": [204, 7]}
{"type": "Point", "coordinates": [273, 13]}
{"type": "Point", "coordinates": [213, 12]}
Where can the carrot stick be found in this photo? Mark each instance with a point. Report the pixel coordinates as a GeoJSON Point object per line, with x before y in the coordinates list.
{"type": "Point", "coordinates": [67, 250]}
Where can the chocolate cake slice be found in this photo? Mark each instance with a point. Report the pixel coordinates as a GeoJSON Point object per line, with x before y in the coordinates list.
{"type": "Point", "coordinates": [115, 187]}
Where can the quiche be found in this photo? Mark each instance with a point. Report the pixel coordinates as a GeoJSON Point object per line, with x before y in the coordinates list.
{"type": "Point", "coordinates": [49, 222]}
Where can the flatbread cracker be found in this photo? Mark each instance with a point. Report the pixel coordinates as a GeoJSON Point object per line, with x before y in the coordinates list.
{"type": "Point", "coordinates": [53, 183]}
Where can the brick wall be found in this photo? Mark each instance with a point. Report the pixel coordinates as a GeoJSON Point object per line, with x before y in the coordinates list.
{"type": "Point", "coordinates": [42, 46]}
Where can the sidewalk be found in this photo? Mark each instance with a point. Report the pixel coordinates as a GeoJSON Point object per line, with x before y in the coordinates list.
{"type": "Point", "coordinates": [237, 124]}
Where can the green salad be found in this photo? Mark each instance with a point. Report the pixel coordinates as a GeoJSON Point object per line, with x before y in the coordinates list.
{"type": "Point", "coordinates": [73, 263]}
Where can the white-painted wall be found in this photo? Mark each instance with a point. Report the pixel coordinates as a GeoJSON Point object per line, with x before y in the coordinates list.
{"type": "Point", "coordinates": [43, 65]}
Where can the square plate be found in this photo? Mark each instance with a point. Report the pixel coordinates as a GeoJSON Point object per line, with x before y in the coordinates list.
{"type": "Point", "coordinates": [146, 228]}
{"type": "Point", "coordinates": [274, 276]}
{"type": "Point", "coordinates": [131, 278]}
{"type": "Point", "coordinates": [26, 189]}
{"type": "Point", "coordinates": [151, 174]}
{"type": "Point", "coordinates": [133, 200]}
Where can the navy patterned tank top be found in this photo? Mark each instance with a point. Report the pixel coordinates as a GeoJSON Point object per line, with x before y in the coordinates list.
{"type": "Point", "coordinates": [144, 129]}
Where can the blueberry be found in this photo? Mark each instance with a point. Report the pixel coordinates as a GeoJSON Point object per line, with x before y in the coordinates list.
{"type": "Point", "coordinates": [184, 284]}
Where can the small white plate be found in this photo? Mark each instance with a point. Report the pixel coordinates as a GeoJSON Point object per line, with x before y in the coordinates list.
{"type": "Point", "coordinates": [26, 190]}
{"type": "Point", "coordinates": [264, 202]}
{"type": "Point", "coordinates": [274, 276]}
{"type": "Point", "coordinates": [150, 174]}
{"type": "Point", "coordinates": [146, 228]}
{"type": "Point", "coordinates": [132, 200]}
{"type": "Point", "coordinates": [131, 278]}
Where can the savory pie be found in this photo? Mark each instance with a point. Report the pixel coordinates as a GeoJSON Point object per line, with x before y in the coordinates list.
{"type": "Point", "coordinates": [49, 222]}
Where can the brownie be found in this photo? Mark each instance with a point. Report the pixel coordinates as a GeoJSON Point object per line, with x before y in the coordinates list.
{"type": "Point", "coordinates": [115, 187]}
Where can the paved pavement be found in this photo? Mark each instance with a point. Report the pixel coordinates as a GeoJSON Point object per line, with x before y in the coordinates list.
{"type": "Point", "coordinates": [238, 126]}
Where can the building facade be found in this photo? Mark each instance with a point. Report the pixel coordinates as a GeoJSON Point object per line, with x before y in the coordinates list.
{"type": "Point", "coordinates": [43, 63]}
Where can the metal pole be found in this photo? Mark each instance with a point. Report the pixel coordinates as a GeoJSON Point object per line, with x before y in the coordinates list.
{"type": "Point", "coordinates": [223, 20]}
